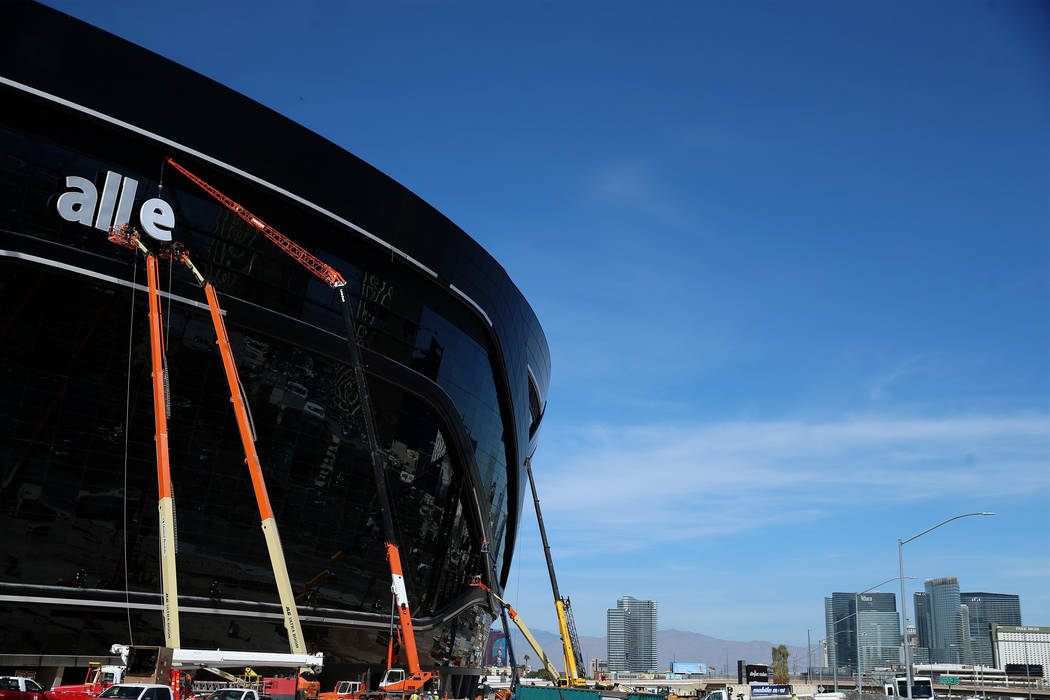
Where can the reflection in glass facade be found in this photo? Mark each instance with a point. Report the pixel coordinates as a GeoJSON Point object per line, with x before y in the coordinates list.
{"type": "Point", "coordinates": [457, 394]}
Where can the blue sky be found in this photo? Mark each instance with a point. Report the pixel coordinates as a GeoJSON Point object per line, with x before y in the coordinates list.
{"type": "Point", "coordinates": [792, 261]}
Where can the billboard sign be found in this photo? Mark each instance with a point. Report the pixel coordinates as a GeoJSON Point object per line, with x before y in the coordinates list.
{"type": "Point", "coordinates": [770, 691]}
{"type": "Point", "coordinates": [757, 673]}
{"type": "Point", "coordinates": [683, 667]}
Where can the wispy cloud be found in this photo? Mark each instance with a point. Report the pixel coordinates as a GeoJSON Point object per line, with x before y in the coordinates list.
{"type": "Point", "coordinates": [1043, 571]}
{"type": "Point", "coordinates": [637, 186]}
{"type": "Point", "coordinates": [913, 365]}
{"type": "Point", "coordinates": [814, 466]}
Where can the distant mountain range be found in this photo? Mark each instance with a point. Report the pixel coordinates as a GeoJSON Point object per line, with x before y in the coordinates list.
{"type": "Point", "coordinates": [673, 645]}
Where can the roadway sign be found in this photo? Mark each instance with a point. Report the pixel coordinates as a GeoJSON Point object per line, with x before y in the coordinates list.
{"type": "Point", "coordinates": [950, 680]}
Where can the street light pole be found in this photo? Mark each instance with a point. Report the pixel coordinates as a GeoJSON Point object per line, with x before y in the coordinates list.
{"type": "Point", "coordinates": [904, 617]}
{"type": "Point", "coordinates": [809, 658]}
{"type": "Point", "coordinates": [835, 662]}
{"type": "Point", "coordinates": [856, 625]}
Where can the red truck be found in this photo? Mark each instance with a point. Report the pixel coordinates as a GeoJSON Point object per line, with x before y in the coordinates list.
{"type": "Point", "coordinates": [98, 678]}
{"type": "Point", "coordinates": [21, 688]}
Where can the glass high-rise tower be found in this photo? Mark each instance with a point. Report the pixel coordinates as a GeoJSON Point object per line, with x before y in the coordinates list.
{"type": "Point", "coordinates": [830, 630]}
{"type": "Point", "coordinates": [985, 609]}
{"type": "Point", "coordinates": [851, 616]}
{"type": "Point", "coordinates": [631, 641]}
{"type": "Point", "coordinates": [922, 620]}
{"type": "Point", "coordinates": [949, 633]}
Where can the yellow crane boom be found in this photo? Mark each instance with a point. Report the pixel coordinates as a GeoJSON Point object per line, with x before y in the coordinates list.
{"type": "Point", "coordinates": [547, 663]}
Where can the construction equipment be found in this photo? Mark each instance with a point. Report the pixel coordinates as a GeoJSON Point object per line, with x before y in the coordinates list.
{"type": "Point", "coordinates": [547, 663]}
{"type": "Point", "coordinates": [98, 678]}
{"type": "Point", "coordinates": [569, 640]}
{"type": "Point", "coordinates": [344, 690]}
{"type": "Point", "coordinates": [215, 660]}
{"type": "Point", "coordinates": [515, 677]}
{"type": "Point", "coordinates": [177, 252]}
{"type": "Point", "coordinates": [394, 679]}
{"type": "Point", "coordinates": [128, 238]}
{"type": "Point", "coordinates": [219, 658]}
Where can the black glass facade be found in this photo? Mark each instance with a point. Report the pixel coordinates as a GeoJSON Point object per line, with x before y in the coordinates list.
{"type": "Point", "coordinates": [986, 609]}
{"type": "Point", "coordinates": [456, 361]}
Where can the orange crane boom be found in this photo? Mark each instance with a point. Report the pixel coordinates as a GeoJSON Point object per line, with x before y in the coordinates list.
{"type": "Point", "coordinates": [306, 258]}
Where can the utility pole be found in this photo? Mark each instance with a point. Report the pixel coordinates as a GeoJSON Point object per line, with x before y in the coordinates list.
{"type": "Point", "coordinates": [835, 663]}
{"type": "Point", "coordinates": [809, 658]}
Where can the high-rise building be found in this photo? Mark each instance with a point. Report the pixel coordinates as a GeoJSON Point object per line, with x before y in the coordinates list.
{"type": "Point", "coordinates": [967, 640]}
{"type": "Point", "coordinates": [830, 632]}
{"type": "Point", "coordinates": [948, 632]}
{"type": "Point", "coordinates": [1028, 646]}
{"type": "Point", "coordinates": [879, 639]}
{"type": "Point", "coordinates": [922, 620]}
{"type": "Point", "coordinates": [616, 638]}
{"type": "Point", "coordinates": [844, 624]}
{"type": "Point", "coordinates": [984, 609]}
{"type": "Point", "coordinates": [631, 635]}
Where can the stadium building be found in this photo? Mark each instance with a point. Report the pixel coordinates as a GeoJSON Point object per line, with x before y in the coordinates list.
{"type": "Point", "coordinates": [457, 365]}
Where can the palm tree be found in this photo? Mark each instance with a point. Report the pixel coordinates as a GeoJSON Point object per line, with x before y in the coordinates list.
{"type": "Point", "coordinates": [780, 664]}
{"type": "Point", "coordinates": [526, 662]}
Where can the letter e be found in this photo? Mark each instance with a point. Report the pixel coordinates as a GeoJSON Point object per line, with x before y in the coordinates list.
{"type": "Point", "coordinates": [157, 218]}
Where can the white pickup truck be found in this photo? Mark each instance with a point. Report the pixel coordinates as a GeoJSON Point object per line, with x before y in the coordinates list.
{"type": "Point", "coordinates": [136, 691]}
{"type": "Point", "coordinates": [236, 694]}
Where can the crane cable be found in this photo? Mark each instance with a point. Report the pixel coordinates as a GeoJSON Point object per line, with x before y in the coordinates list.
{"type": "Point", "coordinates": [167, 318]}
{"type": "Point", "coordinates": [127, 426]}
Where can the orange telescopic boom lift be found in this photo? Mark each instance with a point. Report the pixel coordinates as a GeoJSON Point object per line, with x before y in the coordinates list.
{"type": "Point", "coordinates": [177, 252]}
{"type": "Point", "coordinates": [395, 679]}
{"type": "Point", "coordinates": [169, 586]}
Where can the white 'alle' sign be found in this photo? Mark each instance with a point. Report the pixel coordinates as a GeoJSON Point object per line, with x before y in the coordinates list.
{"type": "Point", "coordinates": [83, 205]}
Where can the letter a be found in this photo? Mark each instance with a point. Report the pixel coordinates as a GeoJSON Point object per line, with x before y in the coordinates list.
{"type": "Point", "coordinates": [78, 206]}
